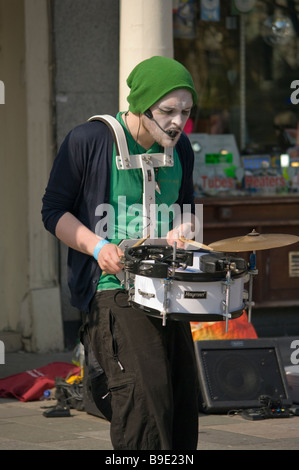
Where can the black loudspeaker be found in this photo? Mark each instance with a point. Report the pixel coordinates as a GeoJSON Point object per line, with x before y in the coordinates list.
{"type": "Point", "coordinates": [234, 374]}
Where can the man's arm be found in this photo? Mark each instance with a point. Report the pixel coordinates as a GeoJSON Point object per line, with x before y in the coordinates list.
{"type": "Point", "coordinates": [77, 236]}
{"type": "Point", "coordinates": [64, 189]}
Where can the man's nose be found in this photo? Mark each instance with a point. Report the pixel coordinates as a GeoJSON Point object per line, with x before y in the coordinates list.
{"type": "Point", "coordinates": [178, 120]}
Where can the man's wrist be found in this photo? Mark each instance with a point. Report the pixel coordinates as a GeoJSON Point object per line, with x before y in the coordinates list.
{"type": "Point", "coordinates": [98, 248]}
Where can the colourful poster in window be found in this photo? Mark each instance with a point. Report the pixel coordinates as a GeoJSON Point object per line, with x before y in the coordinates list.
{"type": "Point", "coordinates": [184, 16]}
{"type": "Point", "coordinates": [210, 10]}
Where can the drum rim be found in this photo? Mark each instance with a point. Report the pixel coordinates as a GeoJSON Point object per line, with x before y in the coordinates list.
{"type": "Point", "coordinates": [194, 317]}
{"type": "Point", "coordinates": [206, 277]}
{"type": "Point", "coordinates": [192, 277]}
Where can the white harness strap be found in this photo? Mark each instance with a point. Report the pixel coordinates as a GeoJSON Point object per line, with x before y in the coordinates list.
{"type": "Point", "coordinates": [147, 162]}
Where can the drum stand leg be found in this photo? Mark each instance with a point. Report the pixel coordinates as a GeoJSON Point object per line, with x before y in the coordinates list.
{"type": "Point", "coordinates": [166, 283]}
{"type": "Point", "coordinates": [227, 283]}
{"type": "Point", "coordinates": [129, 285]}
{"type": "Point", "coordinates": [252, 272]}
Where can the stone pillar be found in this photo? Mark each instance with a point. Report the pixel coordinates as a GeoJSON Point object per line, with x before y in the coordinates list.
{"type": "Point", "coordinates": [41, 310]}
{"type": "Point", "coordinates": [145, 30]}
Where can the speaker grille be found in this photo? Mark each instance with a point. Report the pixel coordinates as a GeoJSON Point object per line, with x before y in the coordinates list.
{"type": "Point", "coordinates": [236, 377]}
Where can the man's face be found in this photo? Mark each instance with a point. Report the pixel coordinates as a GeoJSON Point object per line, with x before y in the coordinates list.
{"type": "Point", "coordinates": [171, 114]}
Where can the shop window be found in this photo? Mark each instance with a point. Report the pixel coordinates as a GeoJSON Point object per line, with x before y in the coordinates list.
{"type": "Point", "coordinates": [246, 69]}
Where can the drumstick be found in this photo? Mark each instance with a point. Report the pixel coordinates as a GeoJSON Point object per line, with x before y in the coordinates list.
{"type": "Point", "coordinates": [142, 240]}
{"type": "Point", "coordinates": [195, 243]}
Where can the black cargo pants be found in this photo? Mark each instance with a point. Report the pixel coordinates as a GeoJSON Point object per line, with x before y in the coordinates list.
{"type": "Point", "coordinates": [151, 375]}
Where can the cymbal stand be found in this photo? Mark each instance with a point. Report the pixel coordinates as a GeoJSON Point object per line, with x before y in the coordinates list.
{"type": "Point", "coordinates": [174, 258]}
{"type": "Point", "coordinates": [252, 272]}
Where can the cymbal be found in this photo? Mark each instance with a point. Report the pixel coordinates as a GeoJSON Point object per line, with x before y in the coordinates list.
{"type": "Point", "coordinates": [254, 241]}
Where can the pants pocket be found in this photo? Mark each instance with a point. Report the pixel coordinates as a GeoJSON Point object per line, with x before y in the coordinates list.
{"type": "Point", "coordinates": [114, 342]}
{"type": "Point", "coordinates": [122, 432]}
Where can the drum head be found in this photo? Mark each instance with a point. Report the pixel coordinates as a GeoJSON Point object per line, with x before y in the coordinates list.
{"type": "Point", "coordinates": [155, 261]}
{"type": "Point", "coordinates": [164, 262]}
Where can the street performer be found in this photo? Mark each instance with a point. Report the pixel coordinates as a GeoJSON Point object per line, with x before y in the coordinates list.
{"type": "Point", "coordinates": [149, 370]}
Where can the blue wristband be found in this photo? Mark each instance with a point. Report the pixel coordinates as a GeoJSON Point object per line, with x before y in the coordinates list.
{"type": "Point", "coordinates": [98, 248]}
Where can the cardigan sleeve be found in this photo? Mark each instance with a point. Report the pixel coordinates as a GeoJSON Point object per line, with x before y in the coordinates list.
{"type": "Point", "coordinates": [78, 179]}
{"type": "Point", "coordinates": [63, 185]}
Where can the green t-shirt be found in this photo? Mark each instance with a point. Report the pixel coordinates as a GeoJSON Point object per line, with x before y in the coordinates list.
{"type": "Point", "coordinates": [126, 198]}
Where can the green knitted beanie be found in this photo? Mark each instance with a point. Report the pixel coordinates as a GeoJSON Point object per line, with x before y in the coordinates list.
{"type": "Point", "coordinates": [154, 78]}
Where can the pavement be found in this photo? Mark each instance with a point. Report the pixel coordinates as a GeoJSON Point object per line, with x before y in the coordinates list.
{"type": "Point", "coordinates": [24, 427]}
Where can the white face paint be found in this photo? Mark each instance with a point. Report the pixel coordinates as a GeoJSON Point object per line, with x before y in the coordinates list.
{"type": "Point", "coordinates": [171, 114]}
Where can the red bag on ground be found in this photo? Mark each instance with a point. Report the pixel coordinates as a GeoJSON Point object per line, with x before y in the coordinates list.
{"type": "Point", "coordinates": [30, 385]}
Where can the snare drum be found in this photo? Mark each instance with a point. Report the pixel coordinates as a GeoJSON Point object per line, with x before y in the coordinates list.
{"type": "Point", "coordinates": [185, 285]}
